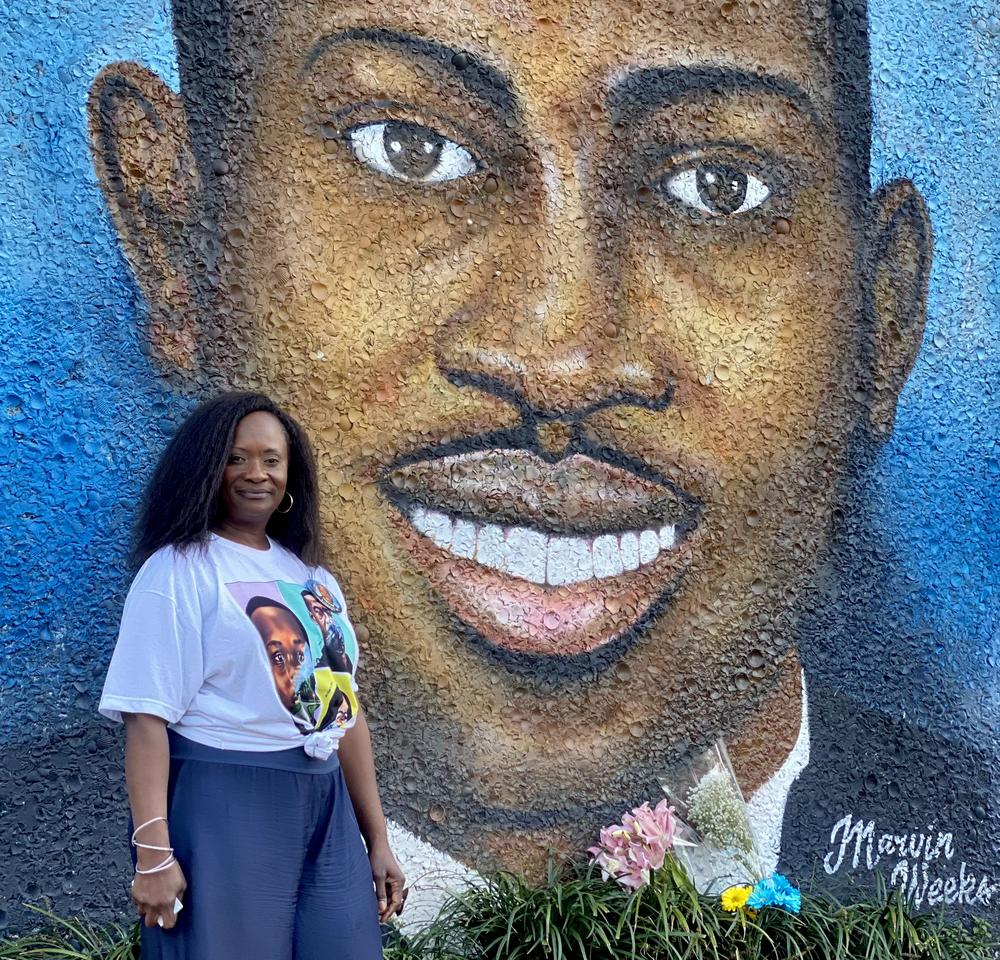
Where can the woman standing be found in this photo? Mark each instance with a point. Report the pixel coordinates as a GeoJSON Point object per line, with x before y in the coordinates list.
{"type": "Point", "coordinates": [248, 802]}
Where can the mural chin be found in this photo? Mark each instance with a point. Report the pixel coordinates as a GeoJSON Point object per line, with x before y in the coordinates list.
{"type": "Point", "coordinates": [599, 727]}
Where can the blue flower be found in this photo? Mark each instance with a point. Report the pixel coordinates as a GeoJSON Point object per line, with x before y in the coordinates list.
{"type": "Point", "coordinates": [775, 891]}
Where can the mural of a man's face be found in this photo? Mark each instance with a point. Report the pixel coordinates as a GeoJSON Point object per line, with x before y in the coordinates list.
{"type": "Point", "coordinates": [582, 301]}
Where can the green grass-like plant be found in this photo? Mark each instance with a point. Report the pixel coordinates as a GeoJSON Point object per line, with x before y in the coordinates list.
{"type": "Point", "coordinates": [576, 915]}
{"type": "Point", "coordinates": [73, 939]}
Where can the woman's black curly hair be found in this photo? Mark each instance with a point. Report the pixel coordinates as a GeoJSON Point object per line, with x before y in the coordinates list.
{"type": "Point", "coordinates": [182, 501]}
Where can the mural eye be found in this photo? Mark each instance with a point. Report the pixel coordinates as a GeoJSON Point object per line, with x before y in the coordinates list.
{"type": "Point", "coordinates": [717, 189]}
{"type": "Point", "coordinates": [411, 152]}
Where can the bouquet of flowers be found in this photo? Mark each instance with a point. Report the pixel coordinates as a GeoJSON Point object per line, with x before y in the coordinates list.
{"type": "Point", "coordinates": [629, 851]}
{"type": "Point", "coordinates": [704, 825]}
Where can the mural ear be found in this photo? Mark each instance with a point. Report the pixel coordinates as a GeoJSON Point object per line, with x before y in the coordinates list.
{"type": "Point", "coordinates": [901, 249]}
{"type": "Point", "coordinates": [147, 172]}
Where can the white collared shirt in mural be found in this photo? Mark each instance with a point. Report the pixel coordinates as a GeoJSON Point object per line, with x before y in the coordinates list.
{"type": "Point", "coordinates": [237, 648]}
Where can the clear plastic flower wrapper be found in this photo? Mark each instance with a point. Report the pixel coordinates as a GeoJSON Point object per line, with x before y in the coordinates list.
{"type": "Point", "coordinates": [721, 851]}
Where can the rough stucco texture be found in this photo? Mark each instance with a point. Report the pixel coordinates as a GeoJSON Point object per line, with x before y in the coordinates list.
{"type": "Point", "coordinates": [643, 420]}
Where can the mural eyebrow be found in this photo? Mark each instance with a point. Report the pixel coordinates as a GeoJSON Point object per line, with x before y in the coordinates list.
{"type": "Point", "coordinates": [645, 90]}
{"type": "Point", "coordinates": [481, 79]}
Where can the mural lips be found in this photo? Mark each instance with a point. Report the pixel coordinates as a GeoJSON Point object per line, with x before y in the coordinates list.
{"type": "Point", "coordinates": [540, 557]}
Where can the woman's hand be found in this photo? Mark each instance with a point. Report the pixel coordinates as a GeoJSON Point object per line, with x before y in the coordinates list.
{"type": "Point", "coordinates": [154, 894]}
{"type": "Point", "coordinates": [389, 881]}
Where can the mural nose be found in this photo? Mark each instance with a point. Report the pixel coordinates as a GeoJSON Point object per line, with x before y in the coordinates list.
{"type": "Point", "coordinates": [556, 329]}
{"type": "Point", "coordinates": [566, 383]}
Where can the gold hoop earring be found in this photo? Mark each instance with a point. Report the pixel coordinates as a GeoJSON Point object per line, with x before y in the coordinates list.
{"type": "Point", "coordinates": [291, 503]}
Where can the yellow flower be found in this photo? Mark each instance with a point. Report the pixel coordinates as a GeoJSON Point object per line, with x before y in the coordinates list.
{"type": "Point", "coordinates": [735, 898]}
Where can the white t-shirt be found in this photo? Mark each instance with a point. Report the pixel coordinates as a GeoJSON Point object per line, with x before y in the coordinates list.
{"type": "Point", "coordinates": [236, 648]}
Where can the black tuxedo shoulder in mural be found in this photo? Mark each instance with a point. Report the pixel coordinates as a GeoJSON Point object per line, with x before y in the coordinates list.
{"type": "Point", "coordinates": [884, 795]}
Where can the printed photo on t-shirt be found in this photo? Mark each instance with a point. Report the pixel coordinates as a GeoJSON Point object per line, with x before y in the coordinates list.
{"type": "Point", "coordinates": [310, 647]}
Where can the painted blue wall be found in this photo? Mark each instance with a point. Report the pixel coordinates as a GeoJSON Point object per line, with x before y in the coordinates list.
{"type": "Point", "coordinates": [80, 403]}
{"type": "Point", "coordinates": [936, 87]}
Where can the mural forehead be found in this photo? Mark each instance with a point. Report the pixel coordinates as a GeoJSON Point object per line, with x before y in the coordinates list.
{"type": "Point", "coordinates": [564, 56]}
{"type": "Point", "coordinates": [599, 333]}
{"type": "Point", "coordinates": [601, 32]}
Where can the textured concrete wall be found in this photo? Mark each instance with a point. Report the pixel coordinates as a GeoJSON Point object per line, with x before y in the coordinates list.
{"type": "Point", "coordinates": [606, 350]}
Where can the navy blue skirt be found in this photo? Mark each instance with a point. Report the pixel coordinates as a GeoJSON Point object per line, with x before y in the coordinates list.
{"type": "Point", "coordinates": [275, 863]}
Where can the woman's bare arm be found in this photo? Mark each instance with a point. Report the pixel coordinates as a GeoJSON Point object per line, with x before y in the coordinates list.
{"type": "Point", "coordinates": [358, 764]}
{"type": "Point", "coordinates": [147, 769]}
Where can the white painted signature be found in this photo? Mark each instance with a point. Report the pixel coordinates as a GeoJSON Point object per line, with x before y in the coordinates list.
{"type": "Point", "coordinates": [921, 865]}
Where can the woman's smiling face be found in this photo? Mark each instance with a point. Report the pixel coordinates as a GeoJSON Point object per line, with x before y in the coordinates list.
{"type": "Point", "coordinates": [566, 297]}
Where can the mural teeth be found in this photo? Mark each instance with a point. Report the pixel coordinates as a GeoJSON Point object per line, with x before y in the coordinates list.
{"type": "Point", "coordinates": [463, 540]}
{"type": "Point", "coordinates": [668, 536]}
{"type": "Point", "coordinates": [649, 546]}
{"type": "Point", "coordinates": [542, 558]}
{"type": "Point", "coordinates": [569, 560]}
{"type": "Point", "coordinates": [419, 520]}
{"type": "Point", "coordinates": [491, 547]}
{"type": "Point", "coordinates": [607, 557]}
{"type": "Point", "coordinates": [438, 528]}
{"type": "Point", "coordinates": [526, 554]}
{"type": "Point", "coordinates": [630, 551]}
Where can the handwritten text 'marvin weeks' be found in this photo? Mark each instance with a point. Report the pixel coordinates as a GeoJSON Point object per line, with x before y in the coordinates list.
{"type": "Point", "coordinates": [918, 858]}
